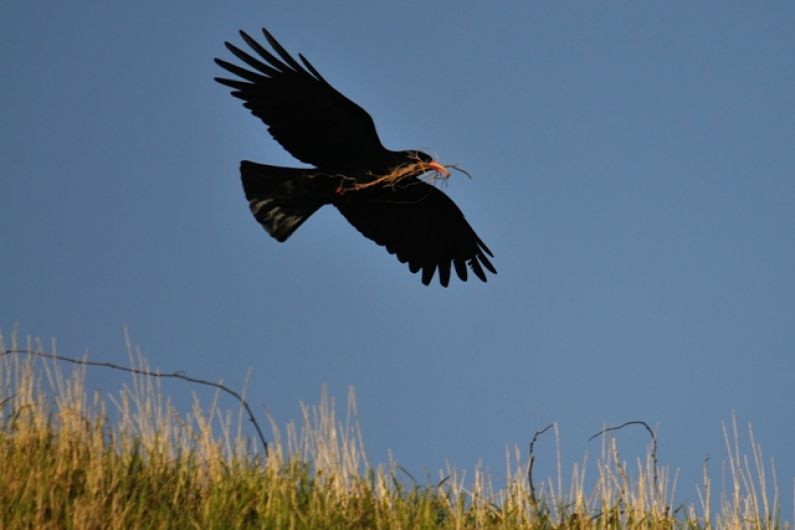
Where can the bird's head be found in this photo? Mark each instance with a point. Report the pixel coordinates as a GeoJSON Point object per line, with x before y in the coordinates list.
{"type": "Point", "coordinates": [407, 165]}
{"type": "Point", "coordinates": [426, 163]}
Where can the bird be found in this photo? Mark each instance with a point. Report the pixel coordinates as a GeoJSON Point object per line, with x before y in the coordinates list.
{"type": "Point", "coordinates": [379, 191]}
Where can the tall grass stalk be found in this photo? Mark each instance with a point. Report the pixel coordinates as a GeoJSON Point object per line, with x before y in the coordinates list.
{"type": "Point", "coordinates": [64, 463]}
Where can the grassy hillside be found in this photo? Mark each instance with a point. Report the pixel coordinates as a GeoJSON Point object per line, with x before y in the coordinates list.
{"type": "Point", "coordinates": [65, 464]}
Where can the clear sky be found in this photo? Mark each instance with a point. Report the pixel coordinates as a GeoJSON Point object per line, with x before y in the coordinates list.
{"type": "Point", "coordinates": [633, 170]}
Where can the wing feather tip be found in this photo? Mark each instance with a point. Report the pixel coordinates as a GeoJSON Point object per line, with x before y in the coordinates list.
{"type": "Point", "coordinates": [486, 263]}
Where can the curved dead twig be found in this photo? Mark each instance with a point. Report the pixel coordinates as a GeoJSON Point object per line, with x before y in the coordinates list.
{"type": "Point", "coordinates": [150, 373]}
{"type": "Point", "coordinates": [532, 461]}
{"type": "Point", "coordinates": [651, 434]}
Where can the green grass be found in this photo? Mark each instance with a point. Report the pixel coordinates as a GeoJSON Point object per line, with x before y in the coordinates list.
{"type": "Point", "coordinates": [64, 464]}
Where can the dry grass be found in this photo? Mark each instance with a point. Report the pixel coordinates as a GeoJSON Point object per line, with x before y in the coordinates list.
{"type": "Point", "coordinates": [397, 177]}
{"type": "Point", "coordinates": [65, 464]}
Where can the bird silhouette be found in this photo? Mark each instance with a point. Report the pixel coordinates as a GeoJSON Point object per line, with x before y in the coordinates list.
{"type": "Point", "coordinates": [379, 191]}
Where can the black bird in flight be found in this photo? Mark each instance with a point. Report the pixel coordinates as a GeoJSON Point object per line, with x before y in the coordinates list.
{"type": "Point", "coordinates": [379, 191]}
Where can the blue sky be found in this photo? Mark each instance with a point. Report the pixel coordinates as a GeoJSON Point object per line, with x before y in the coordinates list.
{"type": "Point", "coordinates": [633, 173]}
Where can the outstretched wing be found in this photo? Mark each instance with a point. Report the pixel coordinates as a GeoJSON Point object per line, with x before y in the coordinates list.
{"type": "Point", "coordinates": [306, 115]}
{"type": "Point", "coordinates": [422, 226]}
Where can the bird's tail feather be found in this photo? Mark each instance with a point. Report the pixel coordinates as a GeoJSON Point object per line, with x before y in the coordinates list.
{"type": "Point", "coordinates": [280, 198]}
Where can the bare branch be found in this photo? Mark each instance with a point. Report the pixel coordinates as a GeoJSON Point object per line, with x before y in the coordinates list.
{"type": "Point", "coordinates": [533, 460]}
{"type": "Point", "coordinates": [6, 400]}
{"type": "Point", "coordinates": [149, 373]}
{"type": "Point", "coordinates": [651, 434]}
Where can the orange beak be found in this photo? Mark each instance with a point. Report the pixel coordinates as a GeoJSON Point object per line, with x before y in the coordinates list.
{"type": "Point", "coordinates": [439, 168]}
